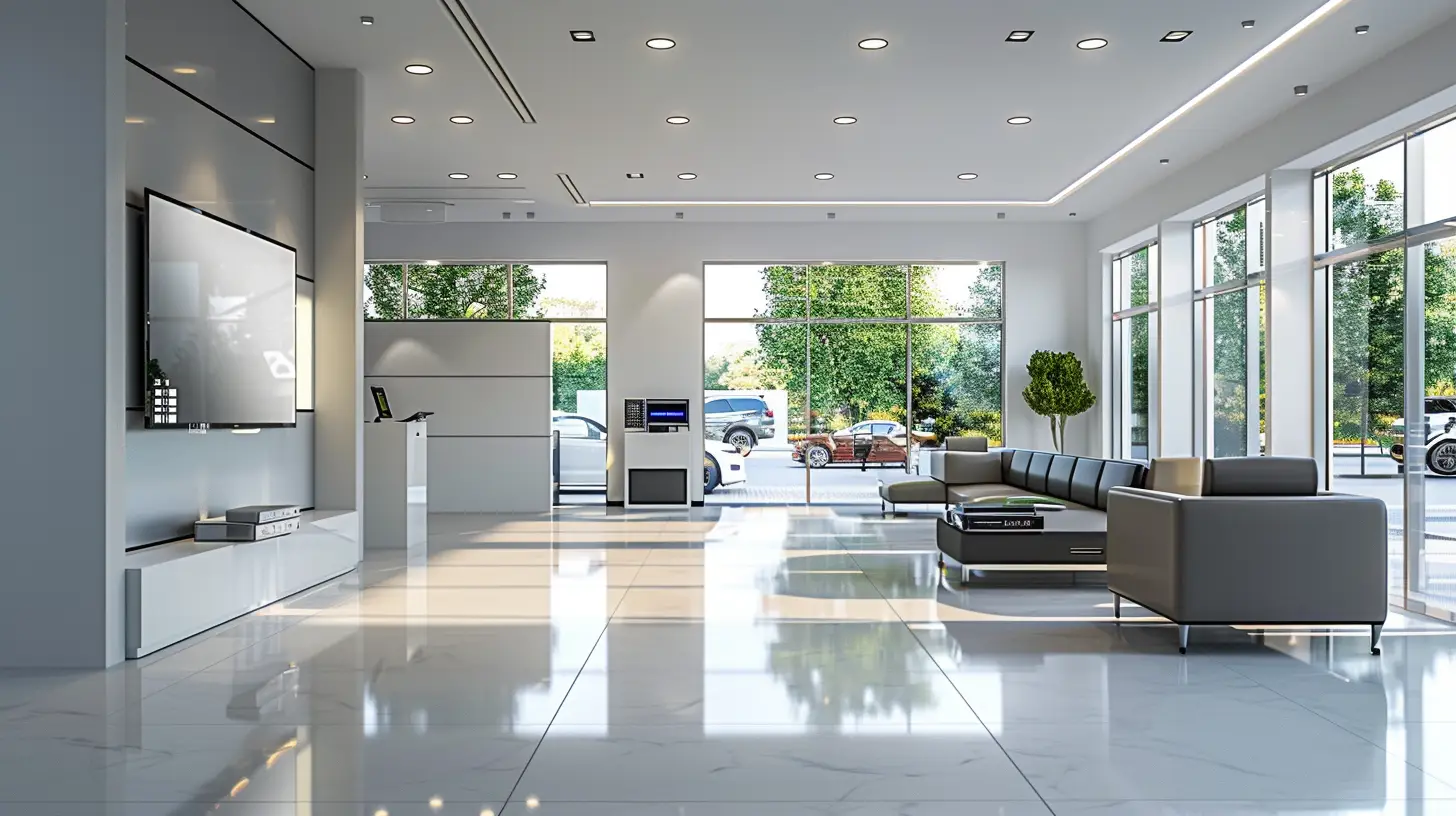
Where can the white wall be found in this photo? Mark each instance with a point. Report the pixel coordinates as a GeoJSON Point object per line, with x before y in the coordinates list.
{"type": "Point", "coordinates": [655, 288]}
{"type": "Point", "coordinates": [489, 384]}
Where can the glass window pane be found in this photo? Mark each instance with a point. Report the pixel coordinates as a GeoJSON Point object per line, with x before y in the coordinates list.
{"type": "Point", "coordinates": [753, 290]}
{"type": "Point", "coordinates": [956, 379]}
{"type": "Point", "coordinates": [579, 369]}
{"type": "Point", "coordinates": [383, 292]}
{"type": "Point", "coordinates": [457, 292]}
{"type": "Point", "coordinates": [857, 290]}
{"type": "Point", "coordinates": [1435, 582]}
{"type": "Point", "coordinates": [957, 290]}
{"type": "Point", "coordinates": [1136, 284]}
{"type": "Point", "coordinates": [1134, 421]}
{"type": "Point", "coordinates": [560, 290]}
{"type": "Point", "coordinates": [1367, 198]}
{"type": "Point", "coordinates": [1433, 158]}
{"type": "Point", "coordinates": [1229, 256]}
{"type": "Point", "coordinates": [1228, 385]}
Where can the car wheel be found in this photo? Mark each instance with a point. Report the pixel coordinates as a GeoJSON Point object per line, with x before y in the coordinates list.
{"type": "Point", "coordinates": [711, 480]}
{"type": "Point", "coordinates": [742, 439]}
{"type": "Point", "coordinates": [1442, 458]}
{"type": "Point", "coordinates": [818, 456]}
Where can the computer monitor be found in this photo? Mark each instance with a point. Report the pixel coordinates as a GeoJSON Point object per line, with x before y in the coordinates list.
{"type": "Point", "coordinates": [381, 403]}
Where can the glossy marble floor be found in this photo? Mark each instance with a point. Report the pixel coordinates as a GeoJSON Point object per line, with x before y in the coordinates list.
{"type": "Point", "coordinates": [735, 661]}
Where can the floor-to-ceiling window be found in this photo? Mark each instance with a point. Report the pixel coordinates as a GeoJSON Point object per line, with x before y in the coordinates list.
{"type": "Point", "coordinates": [1229, 269]}
{"type": "Point", "coordinates": [1391, 273]}
{"type": "Point", "coordinates": [831, 377]}
{"type": "Point", "coordinates": [1134, 324]}
{"type": "Point", "coordinates": [572, 297]}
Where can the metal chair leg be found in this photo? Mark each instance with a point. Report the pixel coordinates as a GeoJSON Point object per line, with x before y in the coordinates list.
{"type": "Point", "coordinates": [1117, 606]}
{"type": "Point", "coordinates": [1375, 629]}
{"type": "Point", "coordinates": [1182, 639]}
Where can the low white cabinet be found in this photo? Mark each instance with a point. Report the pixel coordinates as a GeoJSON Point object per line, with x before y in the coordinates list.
{"type": "Point", "coordinates": [395, 485]}
{"type": "Point", "coordinates": [178, 590]}
{"type": "Point", "coordinates": [661, 468]}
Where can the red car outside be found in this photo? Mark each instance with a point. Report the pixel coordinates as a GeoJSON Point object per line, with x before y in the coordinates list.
{"type": "Point", "coordinates": [875, 442]}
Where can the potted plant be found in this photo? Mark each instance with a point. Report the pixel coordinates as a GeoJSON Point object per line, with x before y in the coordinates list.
{"type": "Point", "coordinates": [1058, 391]}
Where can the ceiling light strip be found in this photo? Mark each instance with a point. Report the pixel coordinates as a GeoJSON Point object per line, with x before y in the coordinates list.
{"type": "Point", "coordinates": [1218, 85]}
{"type": "Point", "coordinates": [1299, 28]}
{"type": "Point", "coordinates": [472, 34]}
{"type": "Point", "coordinates": [571, 190]}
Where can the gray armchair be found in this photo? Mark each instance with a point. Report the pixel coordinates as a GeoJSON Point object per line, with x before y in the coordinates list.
{"type": "Point", "coordinates": [1261, 545]}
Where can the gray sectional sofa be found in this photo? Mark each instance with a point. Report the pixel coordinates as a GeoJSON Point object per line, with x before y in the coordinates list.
{"type": "Point", "coordinates": [1075, 535]}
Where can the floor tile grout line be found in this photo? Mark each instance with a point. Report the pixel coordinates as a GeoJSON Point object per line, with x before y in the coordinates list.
{"type": "Point", "coordinates": [547, 730]}
{"type": "Point", "coordinates": [968, 705]}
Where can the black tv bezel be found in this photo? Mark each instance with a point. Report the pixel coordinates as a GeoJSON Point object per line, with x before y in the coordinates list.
{"type": "Point", "coordinates": [687, 413]}
{"type": "Point", "coordinates": [146, 274]}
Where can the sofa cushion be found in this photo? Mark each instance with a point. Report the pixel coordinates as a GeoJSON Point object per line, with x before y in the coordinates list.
{"type": "Point", "coordinates": [1260, 476]}
{"type": "Point", "coordinates": [1059, 478]}
{"type": "Point", "coordinates": [1117, 474]}
{"type": "Point", "coordinates": [1020, 462]}
{"type": "Point", "coordinates": [964, 467]}
{"type": "Point", "coordinates": [965, 494]}
{"type": "Point", "coordinates": [1036, 473]}
{"type": "Point", "coordinates": [970, 444]}
{"type": "Point", "coordinates": [1175, 474]}
{"type": "Point", "coordinates": [913, 491]}
{"type": "Point", "coordinates": [1084, 481]}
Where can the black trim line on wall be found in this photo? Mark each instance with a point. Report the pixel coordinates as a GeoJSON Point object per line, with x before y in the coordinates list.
{"type": "Point", "coordinates": [137, 207]}
{"type": "Point", "coordinates": [301, 277]}
{"type": "Point", "coordinates": [273, 35]}
{"type": "Point", "coordinates": [195, 98]}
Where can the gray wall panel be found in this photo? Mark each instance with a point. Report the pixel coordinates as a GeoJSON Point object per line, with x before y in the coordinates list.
{"type": "Point", "coordinates": [417, 348]}
{"type": "Point", "coordinates": [241, 69]}
{"type": "Point", "coordinates": [500, 475]}
{"type": "Point", "coordinates": [174, 477]}
{"type": "Point", "coordinates": [186, 151]}
{"type": "Point", "coordinates": [470, 406]}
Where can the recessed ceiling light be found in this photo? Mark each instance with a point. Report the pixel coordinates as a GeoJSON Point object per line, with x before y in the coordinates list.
{"type": "Point", "coordinates": [1019, 36]}
{"type": "Point", "coordinates": [845, 120]}
{"type": "Point", "coordinates": [419, 69]}
{"type": "Point", "coordinates": [1176, 36]}
{"type": "Point", "coordinates": [135, 120]}
{"type": "Point", "coordinates": [267, 120]}
{"type": "Point", "coordinates": [583, 36]}
{"type": "Point", "coordinates": [366, 21]}
{"type": "Point", "coordinates": [677, 120]}
{"type": "Point", "coordinates": [184, 70]}
{"type": "Point", "coordinates": [873, 43]}
{"type": "Point", "coordinates": [1073, 215]}
{"type": "Point", "coordinates": [1163, 161]}
{"type": "Point", "coordinates": [402, 120]}
{"type": "Point", "coordinates": [505, 176]}
{"type": "Point", "coordinates": [366, 175]}
{"type": "Point", "coordinates": [462, 120]}
{"type": "Point", "coordinates": [1247, 24]}
{"type": "Point", "coordinates": [459, 176]}
{"type": "Point", "coordinates": [1301, 90]}
{"type": "Point", "coordinates": [823, 176]}
{"type": "Point", "coordinates": [967, 176]}
{"type": "Point", "coordinates": [1019, 120]}
{"type": "Point", "coordinates": [660, 43]}
{"type": "Point", "coordinates": [687, 176]}
{"type": "Point", "coordinates": [1362, 29]}
{"type": "Point", "coordinates": [1092, 44]}
{"type": "Point", "coordinates": [634, 175]}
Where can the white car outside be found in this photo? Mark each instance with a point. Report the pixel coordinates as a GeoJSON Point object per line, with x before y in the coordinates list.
{"type": "Point", "coordinates": [584, 455]}
{"type": "Point", "coordinates": [1439, 411]}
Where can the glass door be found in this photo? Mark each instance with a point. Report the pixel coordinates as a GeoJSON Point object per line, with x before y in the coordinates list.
{"type": "Point", "coordinates": [1431, 465]}
{"type": "Point", "coordinates": [857, 435]}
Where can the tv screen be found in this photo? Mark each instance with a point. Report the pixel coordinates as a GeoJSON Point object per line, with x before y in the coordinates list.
{"type": "Point", "coordinates": [220, 322]}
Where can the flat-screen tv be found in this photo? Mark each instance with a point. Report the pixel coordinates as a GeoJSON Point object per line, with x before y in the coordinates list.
{"type": "Point", "coordinates": [219, 322]}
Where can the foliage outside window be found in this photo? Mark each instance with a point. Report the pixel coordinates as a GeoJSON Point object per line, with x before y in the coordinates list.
{"type": "Point", "coordinates": [1135, 288]}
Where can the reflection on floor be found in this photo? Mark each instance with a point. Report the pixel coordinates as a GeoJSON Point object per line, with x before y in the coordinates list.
{"type": "Point", "coordinates": [734, 661]}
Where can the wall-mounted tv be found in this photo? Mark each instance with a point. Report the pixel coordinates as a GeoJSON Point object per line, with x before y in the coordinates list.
{"type": "Point", "coordinates": [219, 323]}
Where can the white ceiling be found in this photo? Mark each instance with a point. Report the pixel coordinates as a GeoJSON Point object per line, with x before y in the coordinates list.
{"type": "Point", "coordinates": [762, 80]}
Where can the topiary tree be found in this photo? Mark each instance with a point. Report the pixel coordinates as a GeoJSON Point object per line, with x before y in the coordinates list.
{"type": "Point", "coordinates": [1058, 390]}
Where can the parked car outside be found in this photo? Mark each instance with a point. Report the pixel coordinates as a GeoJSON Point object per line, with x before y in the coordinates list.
{"type": "Point", "coordinates": [740, 421]}
{"type": "Point", "coordinates": [1439, 411]}
{"type": "Point", "coordinates": [886, 441]}
{"type": "Point", "coordinates": [584, 455]}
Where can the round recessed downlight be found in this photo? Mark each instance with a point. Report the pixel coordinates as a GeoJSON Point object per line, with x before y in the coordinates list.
{"type": "Point", "coordinates": [823, 176]}
{"type": "Point", "coordinates": [687, 176]}
{"type": "Point", "coordinates": [419, 69]}
{"type": "Point", "coordinates": [660, 43]}
{"type": "Point", "coordinates": [458, 176]}
{"type": "Point", "coordinates": [505, 176]}
{"type": "Point", "coordinates": [402, 120]}
{"type": "Point", "coordinates": [1019, 120]}
{"type": "Point", "coordinates": [845, 120]}
{"type": "Point", "coordinates": [967, 176]}
{"type": "Point", "coordinates": [462, 120]}
{"type": "Point", "coordinates": [1092, 44]}
{"type": "Point", "coordinates": [873, 43]}
{"type": "Point", "coordinates": [677, 120]}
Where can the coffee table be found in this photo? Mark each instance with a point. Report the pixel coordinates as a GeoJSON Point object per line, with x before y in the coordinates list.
{"type": "Point", "coordinates": [1071, 535]}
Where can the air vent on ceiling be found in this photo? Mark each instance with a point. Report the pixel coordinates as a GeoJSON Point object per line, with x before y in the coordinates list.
{"type": "Point", "coordinates": [468, 29]}
{"type": "Point", "coordinates": [414, 212]}
{"type": "Point", "coordinates": [571, 190]}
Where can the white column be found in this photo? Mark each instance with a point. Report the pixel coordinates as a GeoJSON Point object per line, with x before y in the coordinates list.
{"type": "Point", "coordinates": [1099, 346]}
{"type": "Point", "coordinates": [1174, 380]}
{"type": "Point", "coordinates": [339, 290]}
{"type": "Point", "coordinates": [62, 326]}
{"type": "Point", "coordinates": [1297, 353]}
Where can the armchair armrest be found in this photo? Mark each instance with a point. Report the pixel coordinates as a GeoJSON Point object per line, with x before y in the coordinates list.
{"type": "Point", "coordinates": [1142, 528]}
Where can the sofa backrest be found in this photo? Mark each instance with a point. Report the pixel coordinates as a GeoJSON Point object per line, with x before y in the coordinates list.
{"type": "Point", "coordinates": [970, 444]}
{"type": "Point", "coordinates": [1078, 479]}
{"type": "Point", "coordinates": [1260, 476]}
